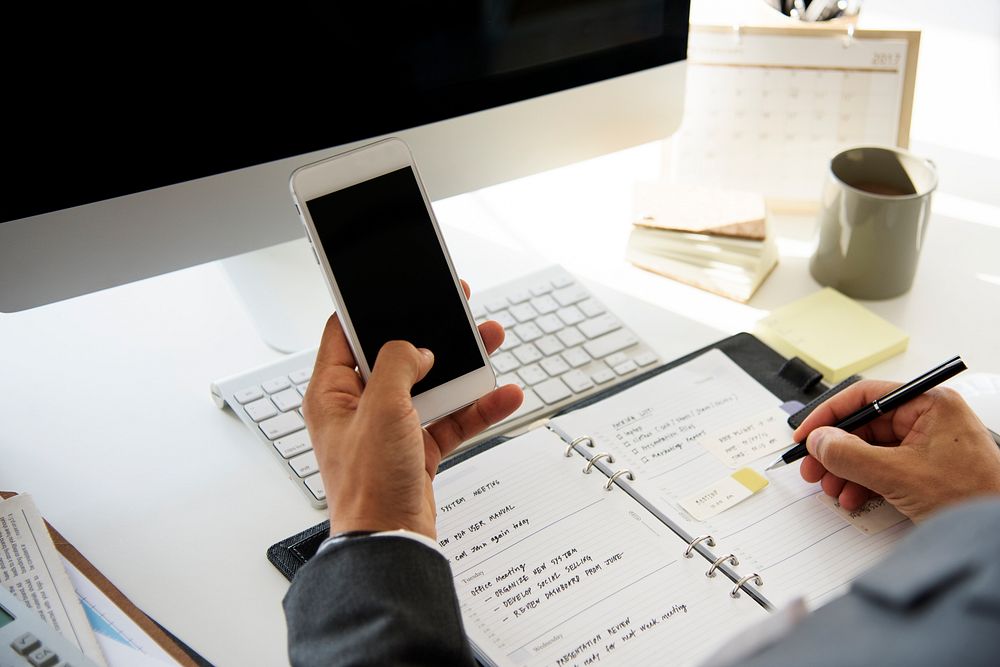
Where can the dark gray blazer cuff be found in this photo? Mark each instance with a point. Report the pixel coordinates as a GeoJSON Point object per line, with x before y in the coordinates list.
{"type": "Point", "coordinates": [376, 600]}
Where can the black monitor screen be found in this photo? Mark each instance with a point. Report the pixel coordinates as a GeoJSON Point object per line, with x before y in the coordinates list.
{"type": "Point", "coordinates": [98, 107]}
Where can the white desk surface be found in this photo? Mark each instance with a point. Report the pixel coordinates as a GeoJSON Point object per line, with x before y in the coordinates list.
{"type": "Point", "coordinates": [106, 417]}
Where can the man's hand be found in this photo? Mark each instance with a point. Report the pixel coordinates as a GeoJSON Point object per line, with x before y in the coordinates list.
{"type": "Point", "coordinates": [933, 451]}
{"type": "Point", "coordinates": [376, 461]}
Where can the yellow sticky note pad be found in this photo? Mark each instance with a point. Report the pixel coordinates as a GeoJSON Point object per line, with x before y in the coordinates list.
{"type": "Point", "coordinates": [725, 493]}
{"type": "Point", "coordinates": [832, 333]}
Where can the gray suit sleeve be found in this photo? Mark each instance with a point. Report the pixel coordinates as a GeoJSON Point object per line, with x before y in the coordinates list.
{"type": "Point", "coordinates": [935, 600]}
{"type": "Point", "coordinates": [375, 601]}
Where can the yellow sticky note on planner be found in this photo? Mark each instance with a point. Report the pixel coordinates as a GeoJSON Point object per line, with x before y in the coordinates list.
{"type": "Point", "coordinates": [725, 493]}
{"type": "Point", "coordinates": [832, 333]}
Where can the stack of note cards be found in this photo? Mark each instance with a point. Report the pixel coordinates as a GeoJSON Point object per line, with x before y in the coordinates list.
{"type": "Point", "coordinates": [832, 333]}
{"type": "Point", "coordinates": [717, 240]}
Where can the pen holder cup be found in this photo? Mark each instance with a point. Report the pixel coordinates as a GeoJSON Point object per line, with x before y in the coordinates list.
{"type": "Point", "coordinates": [873, 218]}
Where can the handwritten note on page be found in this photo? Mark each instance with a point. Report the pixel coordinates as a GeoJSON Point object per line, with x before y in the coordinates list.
{"type": "Point", "coordinates": [658, 429]}
{"type": "Point", "coordinates": [871, 518]}
{"type": "Point", "coordinates": [745, 441]}
{"type": "Point", "coordinates": [551, 569]}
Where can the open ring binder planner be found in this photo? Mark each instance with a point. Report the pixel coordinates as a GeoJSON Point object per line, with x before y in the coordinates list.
{"type": "Point", "coordinates": [544, 561]}
{"type": "Point", "coordinates": [616, 475]}
{"type": "Point", "coordinates": [582, 440]}
{"type": "Point", "coordinates": [707, 539]}
{"type": "Point", "coordinates": [699, 545]}
{"type": "Point", "coordinates": [595, 458]}
{"type": "Point", "coordinates": [733, 560]}
{"type": "Point", "coordinates": [757, 581]}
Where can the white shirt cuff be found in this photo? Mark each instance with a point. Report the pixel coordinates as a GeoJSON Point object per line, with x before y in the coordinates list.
{"type": "Point", "coordinates": [423, 539]}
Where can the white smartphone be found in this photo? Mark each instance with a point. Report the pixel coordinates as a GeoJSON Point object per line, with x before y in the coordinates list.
{"type": "Point", "coordinates": [377, 242]}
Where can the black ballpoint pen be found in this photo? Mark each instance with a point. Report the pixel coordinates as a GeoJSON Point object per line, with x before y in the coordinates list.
{"type": "Point", "coordinates": [881, 406]}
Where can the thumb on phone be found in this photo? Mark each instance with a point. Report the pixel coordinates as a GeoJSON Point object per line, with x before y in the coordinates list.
{"type": "Point", "coordinates": [398, 367]}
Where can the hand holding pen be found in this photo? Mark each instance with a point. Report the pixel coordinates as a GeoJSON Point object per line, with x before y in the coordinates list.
{"type": "Point", "coordinates": [932, 450]}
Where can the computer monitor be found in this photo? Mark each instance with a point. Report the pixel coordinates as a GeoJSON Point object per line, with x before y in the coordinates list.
{"type": "Point", "coordinates": [135, 152]}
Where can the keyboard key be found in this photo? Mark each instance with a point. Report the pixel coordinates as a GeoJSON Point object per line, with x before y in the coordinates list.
{"type": "Point", "coordinates": [249, 394]}
{"type": "Point", "coordinates": [545, 304]}
{"type": "Point", "coordinates": [564, 280]}
{"type": "Point", "coordinates": [576, 357]}
{"type": "Point", "coordinates": [296, 443]}
{"type": "Point", "coordinates": [615, 359]}
{"type": "Point", "coordinates": [510, 341]}
{"type": "Point", "coordinates": [612, 342]}
{"type": "Point", "coordinates": [644, 359]}
{"type": "Point", "coordinates": [599, 326]}
{"type": "Point", "coordinates": [276, 384]}
{"type": "Point", "coordinates": [504, 317]}
{"type": "Point", "coordinates": [494, 305]}
{"type": "Point", "coordinates": [519, 296]}
{"type": "Point", "coordinates": [302, 388]}
{"type": "Point", "coordinates": [286, 400]}
{"type": "Point", "coordinates": [282, 425]}
{"type": "Point", "coordinates": [527, 354]}
{"type": "Point", "coordinates": [626, 367]}
{"type": "Point", "coordinates": [531, 404]}
{"type": "Point", "coordinates": [549, 345]}
{"type": "Point", "coordinates": [304, 465]}
{"type": "Point", "coordinates": [570, 315]}
{"type": "Point", "coordinates": [567, 296]}
{"type": "Point", "coordinates": [603, 375]}
{"type": "Point", "coordinates": [571, 336]}
{"type": "Point", "coordinates": [528, 332]}
{"type": "Point", "coordinates": [504, 362]}
{"type": "Point", "coordinates": [315, 486]}
{"type": "Point", "coordinates": [301, 375]}
{"type": "Point", "coordinates": [43, 657]}
{"type": "Point", "coordinates": [510, 378]}
{"type": "Point", "coordinates": [478, 311]}
{"type": "Point", "coordinates": [552, 391]}
{"type": "Point", "coordinates": [524, 312]}
{"type": "Point", "coordinates": [591, 307]}
{"type": "Point", "coordinates": [539, 289]}
{"type": "Point", "coordinates": [549, 323]}
{"type": "Point", "coordinates": [577, 381]}
{"type": "Point", "coordinates": [554, 366]}
{"type": "Point", "coordinates": [25, 644]}
{"type": "Point", "coordinates": [261, 409]}
{"type": "Point", "coordinates": [532, 374]}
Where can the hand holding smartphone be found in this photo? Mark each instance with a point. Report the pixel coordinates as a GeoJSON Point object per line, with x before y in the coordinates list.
{"type": "Point", "coordinates": [378, 244]}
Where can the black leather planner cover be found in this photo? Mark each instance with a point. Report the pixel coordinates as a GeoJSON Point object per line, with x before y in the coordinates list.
{"type": "Point", "coordinates": [788, 379]}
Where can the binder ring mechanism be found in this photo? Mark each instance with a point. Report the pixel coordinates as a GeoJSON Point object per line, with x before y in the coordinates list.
{"type": "Point", "coordinates": [583, 439]}
{"type": "Point", "coordinates": [616, 475]}
{"type": "Point", "coordinates": [733, 560]}
{"type": "Point", "coordinates": [757, 581]}
{"type": "Point", "coordinates": [707, 539]}
{"type": "Point", "coordinates": [595, 458]}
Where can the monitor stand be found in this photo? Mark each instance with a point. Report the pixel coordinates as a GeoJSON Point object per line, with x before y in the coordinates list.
{"type": "Point", "coordinates": [283, 291]}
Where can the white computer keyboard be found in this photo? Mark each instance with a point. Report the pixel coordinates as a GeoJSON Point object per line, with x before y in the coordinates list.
{"type": "Point", "coordinates": [562, 344]}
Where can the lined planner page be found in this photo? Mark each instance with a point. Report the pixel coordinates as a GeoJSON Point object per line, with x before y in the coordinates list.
{"type": "Point", "coordinates": [783, 532]}
{"type": "Point", "coordinates": [551, 569]}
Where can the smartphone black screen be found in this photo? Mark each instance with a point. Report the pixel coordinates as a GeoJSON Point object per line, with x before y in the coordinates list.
{"type": "Point", "coordinates": [392, 274]}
